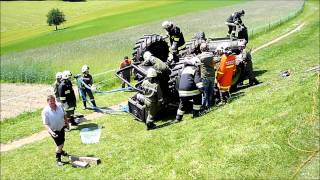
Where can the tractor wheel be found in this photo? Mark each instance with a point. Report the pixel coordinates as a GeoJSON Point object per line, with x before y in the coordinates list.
{"type": "Point", "coordinates": [153, 43]}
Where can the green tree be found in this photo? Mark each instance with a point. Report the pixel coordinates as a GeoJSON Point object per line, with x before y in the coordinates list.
{"type": "Point", "coordinates": [55, 17]}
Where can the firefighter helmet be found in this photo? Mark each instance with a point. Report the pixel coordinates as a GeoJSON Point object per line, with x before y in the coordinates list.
{"type": "Point", "coordinates": [59, 75]}
{"type": "Point", "coordinates": [151, 73]}
{"type": "Point", "coordinates": [147, 55]}
{"type": "Point", "coordinates": [204, 47]}
{"type": "Point", "coordinates": [66, 74]}
{"type": "Point", "coordinates": [166, 24]}
{"type": "Point", "coordinates": [195, 61]}
{"type": "Point", "coordinates": [85, 68]}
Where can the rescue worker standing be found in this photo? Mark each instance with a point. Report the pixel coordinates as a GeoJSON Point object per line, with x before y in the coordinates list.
{"type": "Point", "coordinates": [233, 20]}
{"type": "Point", "coordinates": [56, 85]}
{"type": "Point", "coordinates": [207, 74]}
{"type": "Point", "coordinates": [227, 69]}
{"type": "Point", "coordinates": [126, 73]}
{"type": "Point", "coordinates": [67, 96]}
{"type": "Point", "coordinates": [177, 41]}
{"type": "Point", "coordinates": [85, 87]}
{"type": "Point", "coordinates": [152, 97]}
{"type": "Point", "coordinates": [189, 88]}
{"type": "Point", "coordinates": [247, 64]}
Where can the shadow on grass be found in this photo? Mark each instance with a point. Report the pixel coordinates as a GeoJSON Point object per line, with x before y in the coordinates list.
{"type": "Point", "coordinates": [259, 72]}
{"type": "Point", "coordinates": [88, 125]}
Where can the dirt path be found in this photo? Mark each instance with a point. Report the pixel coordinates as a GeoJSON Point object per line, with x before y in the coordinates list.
{"type": "Point", "coordinates": [43, 134]}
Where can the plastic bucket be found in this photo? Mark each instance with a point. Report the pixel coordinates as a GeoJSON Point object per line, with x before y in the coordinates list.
{"type": "Point", "coordinates": [90, 135]}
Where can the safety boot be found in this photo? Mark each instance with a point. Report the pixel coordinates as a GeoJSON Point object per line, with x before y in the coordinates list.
{"type": "Point", "coordinates": [84, 105]}
{"type": "Point", "coordinates": [150, 126]}
{"type": "Point", "coordinates": [178, 119]}
{"type": "Point", "coordinates": [195, 114]}
{"type": "Point", "coordinates": [58, 159]}
{"type": "Point", "coordinates": [93, 103]}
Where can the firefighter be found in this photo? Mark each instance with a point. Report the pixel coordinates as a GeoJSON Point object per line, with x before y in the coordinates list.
{"type": "Point", "coordinates": [233, 20]}
{"type": "Point", "coordinates": [126, 73]}
{"type": "Point", "coordinates": [85, 87]}
{"type": "Point", "coordinates": [190, 85]}
{"type": "Point", "coordinates": [200, 38]}
{"type": "Point", "coordinates": [152, 97]}
{"type": "Point", "coordinates": [226, 71]}
{"type": "Point", "coordinates": [177, 41]}
{"type": "Point", "coordinates": [247, 64]}
{"type": "Point", "coordinates": [67, 96]}
{"type": "Point", "coordinates": [161, 68]}
{"type": "Point", "coordinates": [207, 74]}
{"type": "Point", "coordinates": [56, 85]}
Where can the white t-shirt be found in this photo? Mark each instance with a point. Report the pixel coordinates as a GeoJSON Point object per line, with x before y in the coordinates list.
{"type": "Point", "coordinates": [53, 118]}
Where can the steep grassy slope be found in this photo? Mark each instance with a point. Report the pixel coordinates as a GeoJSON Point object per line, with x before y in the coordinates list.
{"type": "Point", "coordinates": [104, 52]}
{"type": "Point", "coordinates": [247, 138]}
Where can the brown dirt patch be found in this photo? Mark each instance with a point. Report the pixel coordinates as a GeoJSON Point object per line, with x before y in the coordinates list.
{"type": "Point", "coordinates": [19, 98]}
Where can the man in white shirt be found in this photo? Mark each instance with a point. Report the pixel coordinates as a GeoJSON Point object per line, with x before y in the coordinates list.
{"type": "Point", "coordinates": [54, 120]}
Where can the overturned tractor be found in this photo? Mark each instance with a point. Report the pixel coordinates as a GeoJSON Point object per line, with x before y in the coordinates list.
{"type": "Point", "coordinates": [158, 46]}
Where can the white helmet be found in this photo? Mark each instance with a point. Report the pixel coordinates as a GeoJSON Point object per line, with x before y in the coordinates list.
{"type": "Point", "coordinates": [147, 55]}
{"type": "Point", "coordinates": [166, 24]}
{"type": "Point", "coordinates": [59, 75]}
{"type": "Point", "coordinates": [151, 73]}
{"type": "Point", "coordinates": [85, 68]}
{"type": "Point", "coordinates": [195, 61]}
{"type": "Point", "coordinates": [66, 74]}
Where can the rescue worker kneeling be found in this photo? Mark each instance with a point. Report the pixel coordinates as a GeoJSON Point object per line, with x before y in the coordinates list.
{"type": "Point", "coordinates": [152, 97]}
{"type": "Point", "coordinates": [190, 85]}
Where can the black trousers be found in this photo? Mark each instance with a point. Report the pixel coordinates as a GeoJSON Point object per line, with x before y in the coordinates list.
{"type": "Point", "coordinates": [60, 139]}
{"type": "Point", "coordinates": [197, 101]}
{"type": "Point", "coordinates": [231, 28]}
{"type": "Point", "coordinates": [127, 78]}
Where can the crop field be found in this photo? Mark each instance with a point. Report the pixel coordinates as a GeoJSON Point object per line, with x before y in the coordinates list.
{"type": "Point", "coordinates": [103, 52]}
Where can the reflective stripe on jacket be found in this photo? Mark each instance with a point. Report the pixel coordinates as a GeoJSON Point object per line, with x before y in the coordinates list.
{"type": "Point", "coordinates": [226, 71]}
{"type": "Point", "coordinates": [190, 81]}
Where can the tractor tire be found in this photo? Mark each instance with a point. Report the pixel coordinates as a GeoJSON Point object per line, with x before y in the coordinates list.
{"type": "Point", "coordinates": [153, 43]}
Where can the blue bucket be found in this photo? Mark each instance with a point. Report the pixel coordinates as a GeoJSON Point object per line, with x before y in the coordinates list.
{"type": "Point", "coordinates": [90, 135]}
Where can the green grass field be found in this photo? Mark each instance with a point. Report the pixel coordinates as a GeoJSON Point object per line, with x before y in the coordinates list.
{"type": "Point", "coordinates": [246, 139]}
{"type": "Point", "coordinates": [18, 25]}
{"type": "Point", "coordinates": [134, 15]}
{"type": "Point", "coordinates": [103, 52]}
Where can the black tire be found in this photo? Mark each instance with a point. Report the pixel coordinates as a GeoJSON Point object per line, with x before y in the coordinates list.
{"type": "Point", "coordinates": [153, 43]}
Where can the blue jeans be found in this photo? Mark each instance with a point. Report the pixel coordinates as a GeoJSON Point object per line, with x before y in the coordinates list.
{"type": "Point", "coordinates": [208, 85]}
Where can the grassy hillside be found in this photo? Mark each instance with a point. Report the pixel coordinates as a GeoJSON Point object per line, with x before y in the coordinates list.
{"type": "Point", "coordinates": [103, 52]}
{"type": "Point", "coordinates": [246, 139]}
{"type": "Point", "coordinates": [117, 19]}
